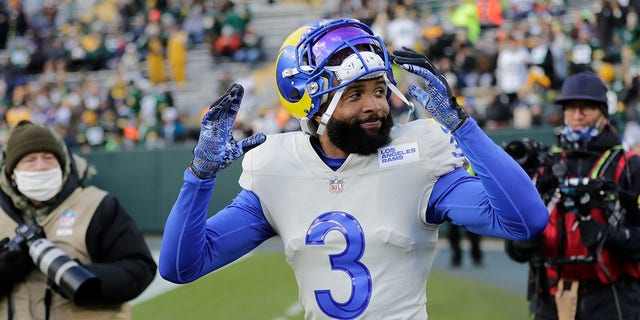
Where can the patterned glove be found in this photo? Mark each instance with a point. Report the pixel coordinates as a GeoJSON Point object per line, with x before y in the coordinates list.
{"type": "Point", "coordinates": [438, 100]}
{"type": "Point", "coordinates": [216, 148]}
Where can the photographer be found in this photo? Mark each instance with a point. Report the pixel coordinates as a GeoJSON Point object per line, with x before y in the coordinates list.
{"type": "Point", "coordinates": [585, 264]}
{"type": "Point", "coordinates": [66, 251]}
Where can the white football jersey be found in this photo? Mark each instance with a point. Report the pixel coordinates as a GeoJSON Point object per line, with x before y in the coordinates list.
{"type": "Point", "coordinates": [356, 238]}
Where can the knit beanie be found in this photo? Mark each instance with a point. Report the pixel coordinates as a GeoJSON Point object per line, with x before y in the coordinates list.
{"type": "Point", "coordinates": [27, 138]}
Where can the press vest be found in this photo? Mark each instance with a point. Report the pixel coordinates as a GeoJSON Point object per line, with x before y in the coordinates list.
{"type": "Point", "coordinates": [66, 227]}
{"type": "Point", "coordinates": [562, 237]}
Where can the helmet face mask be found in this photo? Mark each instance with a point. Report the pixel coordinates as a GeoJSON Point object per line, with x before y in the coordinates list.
{"type": "Point", "coordinates": [325, 56]}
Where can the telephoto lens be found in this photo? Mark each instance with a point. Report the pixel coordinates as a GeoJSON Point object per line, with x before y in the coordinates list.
{"type": "Point", "coordinates": [75, 282]}
{"type": "Point", "coordinates": [520, 150]}
{"type": "Point", "coordinates": [529, 154]}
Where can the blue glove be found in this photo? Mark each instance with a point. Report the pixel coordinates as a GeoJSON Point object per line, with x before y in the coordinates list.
{"type": "Point", "coordinates": [216, 148]}
{"type": "Point", "coordinates": [439, 100]}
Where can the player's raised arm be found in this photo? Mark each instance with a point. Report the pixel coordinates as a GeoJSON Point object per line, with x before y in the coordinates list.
{"type": "Point", "coordinates": [186, 251]}
{"type": "Point", "coordinates": [515, 209]}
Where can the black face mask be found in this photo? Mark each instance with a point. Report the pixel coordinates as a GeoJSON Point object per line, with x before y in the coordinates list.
{"type": "Point", "coordinates": [351, 138]}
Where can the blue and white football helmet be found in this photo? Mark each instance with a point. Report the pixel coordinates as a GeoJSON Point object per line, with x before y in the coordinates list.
{"type": "Point", "coordinates": [324, 56]}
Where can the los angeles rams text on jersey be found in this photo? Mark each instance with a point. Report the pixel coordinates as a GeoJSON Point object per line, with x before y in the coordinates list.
{"type": "Point", "coordinates": [398, 154]}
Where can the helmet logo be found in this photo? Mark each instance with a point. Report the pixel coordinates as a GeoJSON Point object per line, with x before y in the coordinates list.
{"type": "Point", "coordinates": [363, 65]}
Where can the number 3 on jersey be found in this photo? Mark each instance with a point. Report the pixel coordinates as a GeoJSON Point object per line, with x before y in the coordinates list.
{"type": "Point", "coordinates": [347, 261]}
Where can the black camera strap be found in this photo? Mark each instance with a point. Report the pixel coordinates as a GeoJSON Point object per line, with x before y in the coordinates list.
{"type": "Point", "coordinates": [605, 160]}
{"type": "Point", "coordinates": [614, 217]}
{"type": "Point", "coordinates": [47, 304]}
{"type": "Point", "coordinates": [10, 306]}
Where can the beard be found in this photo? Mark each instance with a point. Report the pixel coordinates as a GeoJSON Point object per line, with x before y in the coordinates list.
{"type": "Point", "coordinates": [351, 138]}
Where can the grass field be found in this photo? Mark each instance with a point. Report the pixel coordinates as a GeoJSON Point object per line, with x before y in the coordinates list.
{"type": "Point", "coordinates": [262, 287]}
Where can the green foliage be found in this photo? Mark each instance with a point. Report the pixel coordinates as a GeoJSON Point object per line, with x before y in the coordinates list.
{"type": "Point", "coordinates": [262, 286]}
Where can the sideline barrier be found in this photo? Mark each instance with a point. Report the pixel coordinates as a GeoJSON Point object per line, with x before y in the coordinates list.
{"type": "Point", "coordinates": [147, 182]}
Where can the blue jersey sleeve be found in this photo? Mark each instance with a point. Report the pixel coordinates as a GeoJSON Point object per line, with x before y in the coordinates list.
{"type": "Point", "coordinates": [500, 201]}
{"type": "Point", "coordinates": [193, 245]}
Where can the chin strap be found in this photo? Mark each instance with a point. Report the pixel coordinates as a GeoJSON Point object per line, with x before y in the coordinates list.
{"type": "Point", "coordinates": [326, 116]}
{"type": "Point", "coordinates": [398, 93]}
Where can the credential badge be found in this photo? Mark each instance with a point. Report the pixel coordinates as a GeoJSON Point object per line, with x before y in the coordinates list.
{"type": "Point", "coordinates": [335, 185]}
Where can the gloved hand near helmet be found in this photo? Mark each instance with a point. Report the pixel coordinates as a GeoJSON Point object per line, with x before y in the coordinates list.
{"type": "Point", "coordinates": [439, 101]}
{"type": "Point", "coordinates": [216, 148]}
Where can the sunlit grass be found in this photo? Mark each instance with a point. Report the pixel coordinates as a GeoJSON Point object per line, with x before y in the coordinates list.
{"type": "Point", "coordinates": [263, 287]}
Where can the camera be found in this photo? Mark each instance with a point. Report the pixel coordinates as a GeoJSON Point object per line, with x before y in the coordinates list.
{"type": "Point", "coordinates": [73, 280]}
{"type": "Point", "coordinates": [530, 154]}
{"type": "Point", "coordinates": [582, 194]}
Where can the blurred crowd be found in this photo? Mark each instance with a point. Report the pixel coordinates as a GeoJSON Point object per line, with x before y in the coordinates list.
{"type": "Point", "coordinates": [505, 60]}
{"type": "Point", "coordinates": [52, 53]}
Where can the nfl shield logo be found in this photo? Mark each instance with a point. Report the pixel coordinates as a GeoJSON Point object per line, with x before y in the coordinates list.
{"type": "Point", "coordinates": [67, 219]}
{"type": "Point", "coordinates": [335, 185]}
